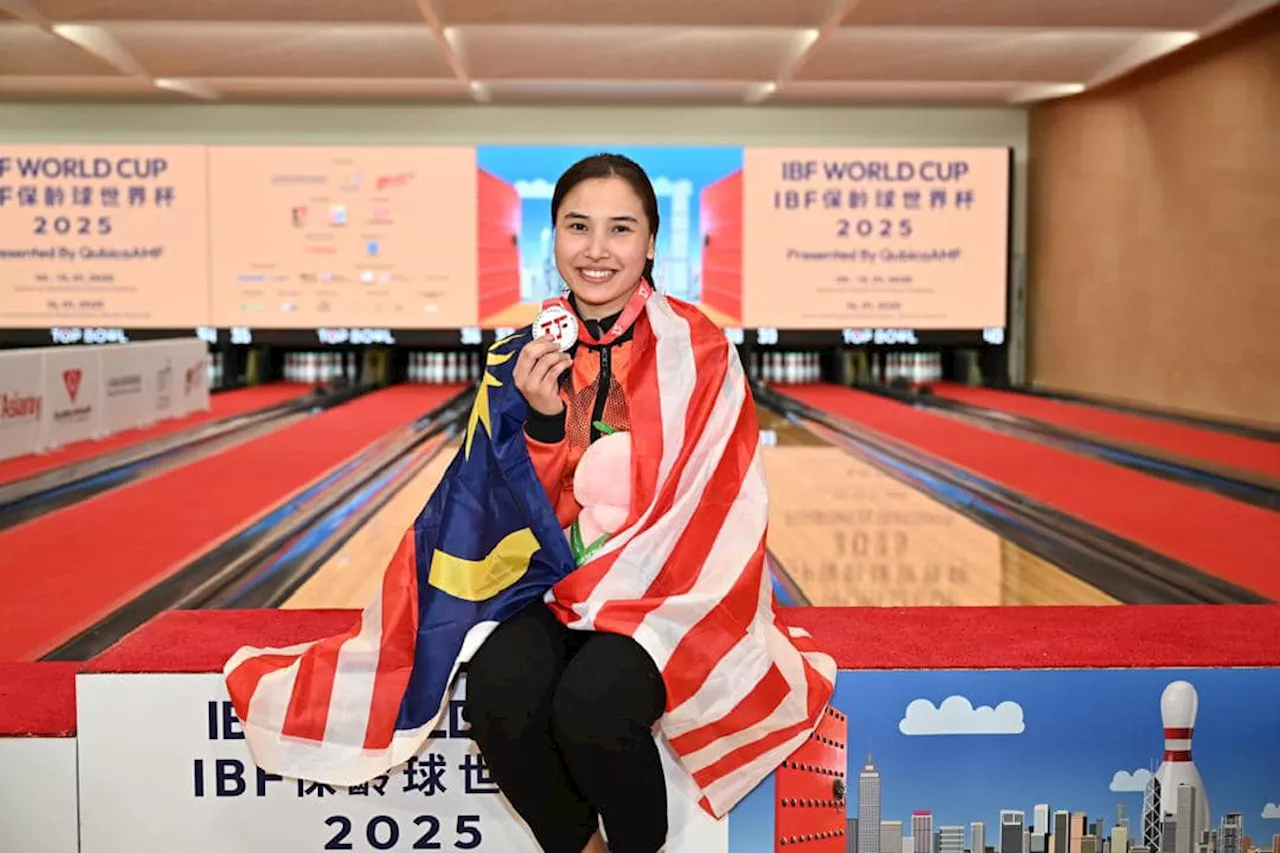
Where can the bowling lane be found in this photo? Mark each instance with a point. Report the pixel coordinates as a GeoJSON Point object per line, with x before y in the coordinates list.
{"type": "Point", "coordinates": [1250, 460]}
{"type": "Point", "coordinates": [846, 534]}
{"type": "Point", "coordinates": [851, 535]}
{"type": "Point", "coordinates": [350, 577]}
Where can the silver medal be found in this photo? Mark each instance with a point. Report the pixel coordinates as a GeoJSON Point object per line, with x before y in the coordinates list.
{"type": "Point", "coordinates": [559, 323]}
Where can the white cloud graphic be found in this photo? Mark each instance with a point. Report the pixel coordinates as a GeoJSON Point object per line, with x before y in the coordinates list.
{"type": "Point", "coordinates": [1129, 783]}
{"type": "Point", "coordinates": [1271, 812]}
{"type": "Point", "coordinates": [957, 716]}
{"type": "Point", "coordinates": [539, 189]}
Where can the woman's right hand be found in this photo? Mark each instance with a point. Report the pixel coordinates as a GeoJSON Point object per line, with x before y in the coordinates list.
{"type": "Point", "coordinates": [537, 374]}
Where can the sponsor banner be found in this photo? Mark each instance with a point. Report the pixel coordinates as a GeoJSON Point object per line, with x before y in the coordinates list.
{"type": "Point", "coordinates": [126, 389]}
{"type": "Point", "coordinates": [164, 766]}
{"type": "Point", "coordinates": [163, 376]}
{"type": "Point", "coordinates": [306, 237]}
{"type": "Point", "coordinates": [21, 402]}
{"type": "Point", "coordinates": [192, 358]}
{"type": "Point", "coordinates": [73, 395]}
{"type": "Point", "coordinates": [54, 396]}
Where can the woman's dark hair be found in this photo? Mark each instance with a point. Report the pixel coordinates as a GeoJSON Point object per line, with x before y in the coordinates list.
{"type": "Point", "coordinates": [611, 166]}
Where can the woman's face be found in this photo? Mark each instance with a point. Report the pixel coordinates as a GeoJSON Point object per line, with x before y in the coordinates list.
{"type": "Point", "coordinates": [602, 241]}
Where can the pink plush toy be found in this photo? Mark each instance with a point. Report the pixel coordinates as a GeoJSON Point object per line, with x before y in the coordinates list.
{"type": "Point", "coordinates": [602, 486]}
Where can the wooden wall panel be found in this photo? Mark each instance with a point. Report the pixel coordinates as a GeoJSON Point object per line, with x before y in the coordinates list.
{"type": "Point", "coordinates": [1154, 233]}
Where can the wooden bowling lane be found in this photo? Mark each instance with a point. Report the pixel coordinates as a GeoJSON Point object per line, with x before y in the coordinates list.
{"type": "Point", "coordinates": [351, 576]}
{"type": "Point", "coordinates": [847, 533]}
{"type": "Point", "coordinates": [850, 535]}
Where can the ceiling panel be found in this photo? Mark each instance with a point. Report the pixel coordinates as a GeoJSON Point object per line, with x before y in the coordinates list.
{"type": "Point", "coordinates": [28, 50]}
{"type": "Point", "coordinates": [619, 53]}
{"type": "Point", "coordinates": [920, 92]}
{"type": "Point", "coordinates": [282, 50]}
{"type": "Point", "coordinates": [614, 92]}
{"type": "Point", "coordinates": [591, 51]}
{"type": "Point", "coordinates": [80, 88]}
{"type": "Point", "coordinates": [690, 13]}
{"type": "Point", "coordinates": [1154, 14]}
{"type": "Point", "coordinates": [336, 11]}
{"type": "Point", "coordinates": [968, 55]}
{"type": "Point", "coordinates": [341, 88]}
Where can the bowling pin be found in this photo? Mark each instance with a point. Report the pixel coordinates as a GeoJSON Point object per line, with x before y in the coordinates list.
{"type": "Point", "coordinates": [1179, 705]}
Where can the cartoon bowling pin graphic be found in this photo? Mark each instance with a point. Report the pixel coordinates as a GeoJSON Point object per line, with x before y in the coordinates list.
{"type": "Point", "coordinates": [1178, 707]}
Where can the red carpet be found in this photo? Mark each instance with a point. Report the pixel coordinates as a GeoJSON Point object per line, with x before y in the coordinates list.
{"type": "Point", "coordinates": [1231, 540]}
{"type": "Point", "coordinates": [224, 405]}
{"type": "Point", "coordinates": [1233, 451]}
{"type": "Point", "coordinates": [858, 638]}
{"type": "Point", "coordinates": [63, 571]}
{"type": "Point", "coordinates": [38, 699]}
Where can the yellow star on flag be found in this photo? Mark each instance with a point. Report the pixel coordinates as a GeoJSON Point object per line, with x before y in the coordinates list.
{"type": "Point", "coordinates": [480, 408]}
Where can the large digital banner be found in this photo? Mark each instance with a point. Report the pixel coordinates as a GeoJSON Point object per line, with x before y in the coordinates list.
{"type": "Point", "coordinates": [427, 237]}
{"type": "Point", "coordinates": [310, 237]}
{"type": "Point", "coordinates": [872, 238]}
{"type": "Point", "coordinates": [103, 234]}
{"type": "Point", "coordinates": [698, 255]}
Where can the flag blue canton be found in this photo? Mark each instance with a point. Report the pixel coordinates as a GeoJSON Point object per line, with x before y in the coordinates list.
{"type": "Point", "coordinates": [487, 542]}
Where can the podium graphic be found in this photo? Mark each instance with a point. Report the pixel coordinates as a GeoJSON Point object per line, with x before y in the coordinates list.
{"type": "Point", "coordinates": [699, 244]}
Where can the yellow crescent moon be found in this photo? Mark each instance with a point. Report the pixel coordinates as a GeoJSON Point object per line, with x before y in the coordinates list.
{"type": "Point", "coordinates": [478, 580]}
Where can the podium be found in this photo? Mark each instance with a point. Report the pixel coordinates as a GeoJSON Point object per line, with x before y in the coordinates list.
{"type": "Point", "coordinates": [163, 764]}
{"type": "Point", "coordinates": [945, 721]}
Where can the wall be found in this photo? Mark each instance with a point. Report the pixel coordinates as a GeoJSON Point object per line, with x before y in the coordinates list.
{"type": "Point", "coordinates": [1154, 233]}
{"type": "Point", "coordinates": [425, 125]}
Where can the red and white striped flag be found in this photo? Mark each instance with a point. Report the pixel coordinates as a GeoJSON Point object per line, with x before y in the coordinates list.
{"type": "Point", "coordinates": [685, 577]}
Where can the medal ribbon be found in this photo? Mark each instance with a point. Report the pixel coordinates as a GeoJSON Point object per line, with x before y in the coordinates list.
{"type": "Point", "coordinates": [628, 316]}
{"type": "Point", "coordinates": [582, 552]}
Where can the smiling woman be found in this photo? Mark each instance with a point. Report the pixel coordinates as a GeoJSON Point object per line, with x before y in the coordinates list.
{"type": "Point", "coordinates": [606, 221]}
{"type": "Point", "coordinates": [565, 696]}
{"type": "Point", "coordinates": [563, 717]}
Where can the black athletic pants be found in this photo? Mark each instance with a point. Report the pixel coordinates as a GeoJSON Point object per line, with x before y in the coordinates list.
{"type": "Point", "coordinates": [564, 720]}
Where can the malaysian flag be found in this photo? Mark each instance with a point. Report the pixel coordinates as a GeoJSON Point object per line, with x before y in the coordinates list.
{"type": "Point", "coordinates": [685, 577]}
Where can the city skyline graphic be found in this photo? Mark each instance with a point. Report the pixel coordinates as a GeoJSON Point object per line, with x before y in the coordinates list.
{"type": "Point", "coordinates": [966, 746]}
{"type": "Point", "coordinates": [1079, 741]}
